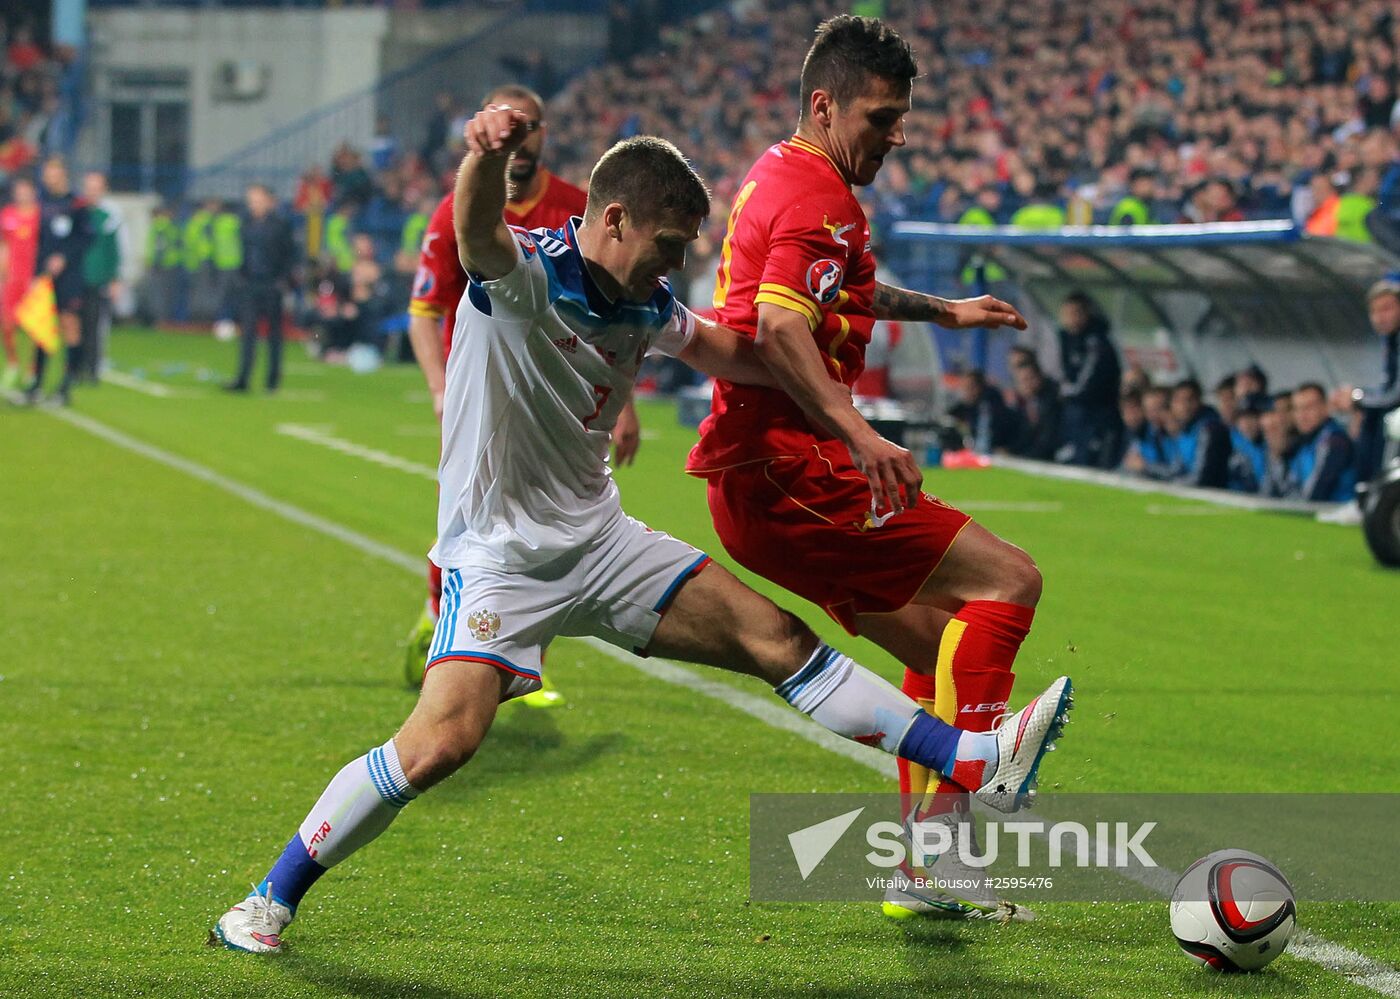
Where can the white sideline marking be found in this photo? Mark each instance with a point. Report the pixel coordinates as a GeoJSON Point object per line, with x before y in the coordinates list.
{"type": "Point", "coordinates": [123, 380]}
{"type": "Point", "coordinates": [1180, 510]}
{"type": "Point", "coordinates": [1356, 968]}
{"type": "Point", "coordinates": [321, 436]}
{"type": "Point", "coordinates": [1006, 506]}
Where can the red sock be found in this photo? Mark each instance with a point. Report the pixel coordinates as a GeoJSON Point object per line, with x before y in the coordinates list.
{"type": "Point", "coordinates": [434, 588]}
{"type": "Point", "coordinates": [986, 635]}
{"type": "Point", "coordinates": [978, 647]}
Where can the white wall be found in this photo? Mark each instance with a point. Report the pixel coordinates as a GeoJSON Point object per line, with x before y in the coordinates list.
{"type": "Point", "coordinates": [313, 57]}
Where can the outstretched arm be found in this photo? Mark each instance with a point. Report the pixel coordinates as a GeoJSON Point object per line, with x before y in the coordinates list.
{"type": "Point", "coordinates": [953, 313]}
{"type": "Point", "coordinates": [720, 352]}
{"type": "Point", "coordinates": [484, 242]}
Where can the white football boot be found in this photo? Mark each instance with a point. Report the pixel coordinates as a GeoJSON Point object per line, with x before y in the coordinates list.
{"type": "Point", "coordinates": [946, 887]}
{"type": "Point", "coordinates": [254, 925]}
{"type": "Point", "coordinates": [1022, 739]}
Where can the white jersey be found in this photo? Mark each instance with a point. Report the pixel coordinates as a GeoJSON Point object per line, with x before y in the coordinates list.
{"type": "Point", "coordinates": [541, 365]}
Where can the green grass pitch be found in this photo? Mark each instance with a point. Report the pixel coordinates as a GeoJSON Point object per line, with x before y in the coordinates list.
{"type": "Point", "coordinates": [183, 671]}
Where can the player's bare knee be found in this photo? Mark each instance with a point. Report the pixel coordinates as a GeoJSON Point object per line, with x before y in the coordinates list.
{"type": "Point", "coordinates": [431, 757]}
{"type": "Point", "coordinates": [1023, 582]}
{"type": "Point", "coordinates": [779, 651]}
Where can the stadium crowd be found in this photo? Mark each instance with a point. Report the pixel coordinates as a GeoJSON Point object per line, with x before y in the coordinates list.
{"type": "Point", "coordinates": [1304, 443]}
{"type": "Point", "coordinates": [35, 120]}
{"type": "Point", "coordinates": [1162, 112]}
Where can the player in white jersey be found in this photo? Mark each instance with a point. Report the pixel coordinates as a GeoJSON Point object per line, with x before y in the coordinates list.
{"type": "Point", "coordinates": [550, 335]}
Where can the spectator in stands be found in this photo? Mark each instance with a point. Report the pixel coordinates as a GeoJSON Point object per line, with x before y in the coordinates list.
{"type": "Point", "coordinates": [1214, 201]}
{"type": "Point", "coordinates": [349, 179]}
{"type": "Point", "coordinates": [1135, 426]}
{"type": "Point", "coordinates": [1277, 431]}
{"type": "Point", "coordinates": [269, 255]}
{"type": "Point", "coordinates": [1249, 452]}
{"type": "Point", "coordinates": [1091, 384]}
{"type": "Point", "coordinates": [313, 199]}
{"type": "Point", "coordinates": [444, 113]}
{"type": "Point", "coordinates": [1252, 388]}
{"type": "Point", "coordinates": [1226, 402]}
{"type": "Point", "coordinates": [1038, 408]}
{"type": "Point", "coordinates": [1136, 207]}
{"type": "Point", "coordinates": [362, 296]}
{"type": "Point", "coordinates": [1323, 465]}
{"type": "Point", "coordinates": [1202, 443]}
{"type": "Point", "coordinates": [162, 266]}
{"type": "Point", "coordinates": [988, 424]}
{"type": "Point", "coordinates": [1383, 302]}
{"type": "Point", "coordinates": [1153, 454]}
{"type": "Point", "coordinates": [1136, 378]}
{"type": "Point", "coordinates": [384, 148]}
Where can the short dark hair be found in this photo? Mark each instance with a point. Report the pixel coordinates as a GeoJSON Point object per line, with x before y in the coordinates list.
{"type": "Point", "coordinates": [1225, 384]}
{"type": "Point", "coordinates": [517, 91]}
{"type": "Point", "coordinates": [1311, 387]}
{"type": "Point", "coordinates": [1188, 385]}
{"type": "Point", "coordinates": [649, 177]}
{"type": "Point", "coordinates": [848, 50]}
{"type": "Point", "coordinates": [1131, 395]}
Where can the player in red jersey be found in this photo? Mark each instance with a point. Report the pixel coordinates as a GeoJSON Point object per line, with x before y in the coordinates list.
{"type": "Point", "coordinates": [536, 199]}
{"type": "Point", "coordinates": [19, 240]}
{"type": "Point", "coordinates": [802, 490]}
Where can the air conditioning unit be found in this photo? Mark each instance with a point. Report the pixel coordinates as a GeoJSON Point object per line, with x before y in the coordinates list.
{"type": "Point", "coordinates": [240, 80]}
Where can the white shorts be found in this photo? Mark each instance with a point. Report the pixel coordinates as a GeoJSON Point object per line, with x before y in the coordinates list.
{"type": "Point", "coordinates": [616, 588]}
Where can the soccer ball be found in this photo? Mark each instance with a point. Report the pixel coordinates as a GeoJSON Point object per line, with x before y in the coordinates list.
{"type": "Point", "coordinates": [1233, 911]}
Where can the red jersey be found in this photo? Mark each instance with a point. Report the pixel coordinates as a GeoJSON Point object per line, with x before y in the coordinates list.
{"type": "Point", "coordinates": [441, 282]}
{"type": "Point", "coordinates": [20, 231]}
{"type": "Point", "coordinates": [797, 239]}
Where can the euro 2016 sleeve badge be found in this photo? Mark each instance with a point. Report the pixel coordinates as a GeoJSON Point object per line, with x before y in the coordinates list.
{"type": "Point", "coordinates": [484, 624]}
{"type": "Point", "coordinates": [824, 280]}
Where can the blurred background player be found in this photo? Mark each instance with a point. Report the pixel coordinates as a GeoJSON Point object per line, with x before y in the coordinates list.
{"type": "Point", "coordinates": [19, 242]}
{"type": "Point", "coordinates": [65, 231]}
{"type": "Point", "coordinates": [802, 490]}
{"type": "Point", "coordinates": [101, 271]}
{"type": "Point", "coordinates": [535, 198]}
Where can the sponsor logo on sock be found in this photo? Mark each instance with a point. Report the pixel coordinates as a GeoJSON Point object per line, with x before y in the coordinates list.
{"type": "Point", "coordinates": [994, 706]}
{"type": "Point", "coordinates": [319, 836]}
{"type": "Point", "coordinates": [873, 739]}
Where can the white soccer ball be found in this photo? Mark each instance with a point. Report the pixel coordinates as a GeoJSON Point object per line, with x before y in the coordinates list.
{"type": "Point", "coordinates": [225, 330]}
{"type": "Point", "coordinates": [1233, 911]}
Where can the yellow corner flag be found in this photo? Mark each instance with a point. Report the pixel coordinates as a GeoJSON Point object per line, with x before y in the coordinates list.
{"type": "Point", "coordinates": [37, 314]}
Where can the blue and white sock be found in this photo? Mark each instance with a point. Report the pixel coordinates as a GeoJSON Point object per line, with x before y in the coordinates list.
{"type": "Point", "coordinates": [847, 698]}
{"type": "Point", "coordinates": [357, 805]}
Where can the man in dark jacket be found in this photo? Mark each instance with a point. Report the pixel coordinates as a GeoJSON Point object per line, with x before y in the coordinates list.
{"type": "Point", "coordinates": [988, 423]}
{"type": "Point", "coordinates": [1202, 442]}
{"type": "Point", "coordinates": [268, 256]}
{"type": "Point", "coordinates": [1090, 390]}
{"type": "Point", "coordinates": [1322, 467]}
{"type": "Point", "coordinates": [1038, 406]}
{"type": "Point", "coordinates": [1383, 303]}
{"type": "Point", "coordinates": [65, 231]}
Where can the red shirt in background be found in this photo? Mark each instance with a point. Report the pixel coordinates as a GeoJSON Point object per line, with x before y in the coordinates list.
{"type": "Point", "coordinates": [441, 281]}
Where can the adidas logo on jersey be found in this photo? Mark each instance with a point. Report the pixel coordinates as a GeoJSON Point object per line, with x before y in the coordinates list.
{"type": "Point", "coordinates": [568, 344]}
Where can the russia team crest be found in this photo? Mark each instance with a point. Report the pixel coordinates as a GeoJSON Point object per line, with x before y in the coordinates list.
{"type": "Point", "coordinates": [484, 624]}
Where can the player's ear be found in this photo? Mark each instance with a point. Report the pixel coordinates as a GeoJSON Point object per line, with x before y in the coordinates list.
{"type": "Point", "coordinates": [612, 220]}
{"type": "Point", "coordinates": [821, 108]}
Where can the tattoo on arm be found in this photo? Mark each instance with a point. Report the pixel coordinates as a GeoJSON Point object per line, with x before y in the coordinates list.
{"type": "Point", "coordinates": [913, 306]}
